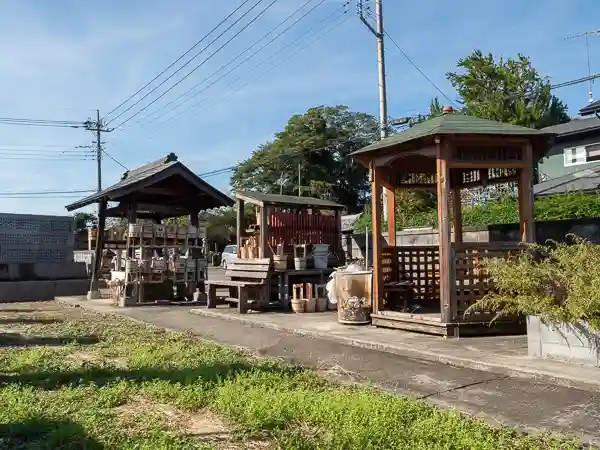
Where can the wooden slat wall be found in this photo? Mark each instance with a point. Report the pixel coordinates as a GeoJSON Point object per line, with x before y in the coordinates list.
{"type": "Point", "coordinates": [294, 228]}
{"type": "Point", "coordinates": [472, 282]}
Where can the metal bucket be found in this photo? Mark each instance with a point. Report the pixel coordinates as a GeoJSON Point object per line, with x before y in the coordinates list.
{"type": "Point", "coordinates": [300, 263]}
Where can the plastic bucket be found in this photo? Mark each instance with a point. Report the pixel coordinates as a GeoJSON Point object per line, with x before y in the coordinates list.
{"type": "Point", "coordinates": [320, 260]}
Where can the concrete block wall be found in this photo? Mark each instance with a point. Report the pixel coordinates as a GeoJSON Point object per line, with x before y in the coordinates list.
{"type": "Point", "coordinates": [28, 238]}
{"type": "Point", "coordinates": [578, 344]}
{"type": "Point", "coordinates": [355, 244]}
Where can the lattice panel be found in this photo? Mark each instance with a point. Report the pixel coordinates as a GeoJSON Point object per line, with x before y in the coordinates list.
{"type": "Point", "coordinates": [472, 281]}
{"type": "Point", "coordinates": [389, 264]}
{"type": "Point", "coordinates": [421, 265]}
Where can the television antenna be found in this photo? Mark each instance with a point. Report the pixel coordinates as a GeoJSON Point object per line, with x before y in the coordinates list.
{"type": "Point", "coordinates": [586, 35]}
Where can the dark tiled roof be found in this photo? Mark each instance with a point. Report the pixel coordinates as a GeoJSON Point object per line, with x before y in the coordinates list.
{"type": "Point", "coordinates": [575, 126]}
{"type": "Point", "coordinates": [592, 108]}
{"type": "Point", "coordinates": [584, 180]}
{"type": "Point", "coordinates": [167, 165]}
{"type": "Point", "coordinates": [274, 199]}
{"type": "Point", "coordinates": [454, 124]}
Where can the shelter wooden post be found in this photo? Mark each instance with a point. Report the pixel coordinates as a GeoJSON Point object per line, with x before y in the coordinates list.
{"type": "Point", "coordinates": [94, 292]}
{"type": "Point", "coordinates": [376, 207]}
{"type": "Point", "coordinates": [239, 224]}
{"type": "Point", "coordinates": [526, 203]}
{"type": "Point", "coordinates": [264, 233]}
{"type": "Point", "coordinates": [457, 224]}
{"type": "Point", "coordinates": [444, 229]}
{"type": "Point", "coordinates": [391, 209]}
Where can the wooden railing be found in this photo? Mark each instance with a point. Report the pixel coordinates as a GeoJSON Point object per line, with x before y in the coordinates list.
{"type": "Point", "coordinates": [472, 281]}
{"type": "Point", "coordinates": [421, 265]}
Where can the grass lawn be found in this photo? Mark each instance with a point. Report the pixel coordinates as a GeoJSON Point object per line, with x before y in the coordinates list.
{"type": "Point", "coordinates": [75, 380]}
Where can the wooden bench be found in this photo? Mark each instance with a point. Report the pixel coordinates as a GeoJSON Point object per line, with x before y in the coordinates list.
{"type": "Point", "coordinates": [249, 283]}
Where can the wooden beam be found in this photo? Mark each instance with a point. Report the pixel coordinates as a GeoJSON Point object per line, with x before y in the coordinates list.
{"type": "Point", "coordinates": [526, 212]}
{"type": "Point", "coordinates": [161, 191]}
{"type": "Point", "coordinates": [391, 210]}
{"type": "Point", "coordinates": [264, 233]}
{"type": "Point", "coordinates": [376, 208]}
{"type": "Point", "coordinates": [488, 164]}
{"type": "Point", "coordinates": [94, 291]}
{"type": "Point", "coordinates": [445, 247]}
{"type": "Point", "coordinates": [457, 224]}
{"type": "Point", "coordinates": [240, 225]}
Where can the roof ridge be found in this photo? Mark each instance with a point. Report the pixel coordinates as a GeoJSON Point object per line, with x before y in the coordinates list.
{"type": "Point", "coordinates": [171, 157]}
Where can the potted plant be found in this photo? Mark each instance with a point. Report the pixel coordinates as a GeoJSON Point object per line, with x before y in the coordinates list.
{"type": "Point", "coordinates": [557, 286]}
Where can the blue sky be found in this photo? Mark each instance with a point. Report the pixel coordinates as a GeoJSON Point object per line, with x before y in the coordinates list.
{"type": "Point", "coordinates": [63, 59]}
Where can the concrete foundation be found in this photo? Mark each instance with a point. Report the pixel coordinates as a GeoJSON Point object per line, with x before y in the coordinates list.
{"type": "Point", "coordinates": [571, 343]}
{"type": "Point", "coordinates": [42, 271]}
{"type": "Point", "coordinates": [21, 291]}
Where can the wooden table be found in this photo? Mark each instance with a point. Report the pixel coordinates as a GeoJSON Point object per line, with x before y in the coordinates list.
{"type": "Point", "coordinates": [283, 281]}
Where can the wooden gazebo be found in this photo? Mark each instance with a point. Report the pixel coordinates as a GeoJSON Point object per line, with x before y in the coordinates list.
{"type": "Point", "coordinates": [156, 191]}
{"type": "Point", "coordinates": [446, 154]}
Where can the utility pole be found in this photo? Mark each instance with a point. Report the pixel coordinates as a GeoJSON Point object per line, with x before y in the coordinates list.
{"type": "Point", "coordinates": [299, 180]}
{"type": "Point", "coordinates": [587, 34]}
{"type": "Point", "coordinates": [98, 127]}
{"type": "Point", "coordinates": [379, 33]}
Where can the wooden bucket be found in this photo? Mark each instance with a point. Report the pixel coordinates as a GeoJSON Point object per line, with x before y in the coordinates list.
{"type": "Point", "coordinates": [298, 305]}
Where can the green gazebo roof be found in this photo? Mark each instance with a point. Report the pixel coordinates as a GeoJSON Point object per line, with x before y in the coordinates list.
{"type": "Point", "coordinates": [455, 123]}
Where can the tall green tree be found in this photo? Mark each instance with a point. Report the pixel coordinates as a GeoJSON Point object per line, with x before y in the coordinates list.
{"type": "Point", "coordinates": [316, 146]}
{"type": "Point", "coordinates": [84, 220]}
{"type": "Point", "coordinates": [507, 90]}
{"type": "Point", "coordinates": [435, 109]}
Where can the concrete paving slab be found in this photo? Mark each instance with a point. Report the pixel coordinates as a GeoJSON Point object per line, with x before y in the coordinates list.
{"type": "Point", "coordinates": [504, 355]}
{"type": "Point", "coordinates": [497, 398]}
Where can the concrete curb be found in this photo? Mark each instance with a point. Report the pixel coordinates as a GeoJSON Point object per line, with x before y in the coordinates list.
{"type": "Point", "coordinates": [504, 368]}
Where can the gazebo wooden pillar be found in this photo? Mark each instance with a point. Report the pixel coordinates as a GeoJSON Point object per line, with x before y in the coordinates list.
{"type": "Point", "coordinates": [448, 154]}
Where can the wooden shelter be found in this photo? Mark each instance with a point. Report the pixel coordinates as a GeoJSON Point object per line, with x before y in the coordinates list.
{"type": "Point", "coordinates": [446, 154]}
{"type": "Point", "coordinates": [288, 220]}
{"type": "Point", "coordinates": [158, 190]}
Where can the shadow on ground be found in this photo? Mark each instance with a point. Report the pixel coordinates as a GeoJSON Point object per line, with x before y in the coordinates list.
{"type": "Point", "coordinates": [29, 320]}
{"type": "Point", "coordinates": [100, 376]}
{"type": "Point", "coordinates": [22, 340]}
{"type": "Point", "coordinates": [40, 433]}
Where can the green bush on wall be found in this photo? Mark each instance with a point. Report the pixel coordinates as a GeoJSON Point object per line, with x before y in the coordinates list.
{"type": "Point", "coordinates": [501, 211]}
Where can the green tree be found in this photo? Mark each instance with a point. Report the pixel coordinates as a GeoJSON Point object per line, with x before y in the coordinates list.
{"type": "Point", "coordinates": [315, 144]}
{"type": "Point", "coordinates": [84, 220]}
{"type": "Point", "coordinates": [507, 90]}
{"type": "Point", "coordinates": [435, 109]}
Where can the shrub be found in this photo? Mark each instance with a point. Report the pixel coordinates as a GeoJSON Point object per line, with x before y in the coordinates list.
{"type": "Point", "coordinates": [558, 282]}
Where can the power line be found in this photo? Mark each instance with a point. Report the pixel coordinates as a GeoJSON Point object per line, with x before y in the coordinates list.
{"type": "Point", "coordinates": [199, 65]}
{"type": "Point", "coordinates": [181, 57]}
{"type": "Point", "coordinates": [435, 86]}
{"type": "Point", "coordinates": [80, 191]}
{"type": "Point", "coordinates": [317, 27]}
{"type": "Point", "coordinates": [116, 161]}
{"type": "Point", "coordinates": [40, 122]}
{"type": "Point", "coordinates": [235, 58]}
{"type": "Point", "coordinates": [331, 146]}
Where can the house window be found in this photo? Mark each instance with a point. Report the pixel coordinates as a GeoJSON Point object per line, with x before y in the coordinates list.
{"type": "Point", "coordinates": [582, 155]}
